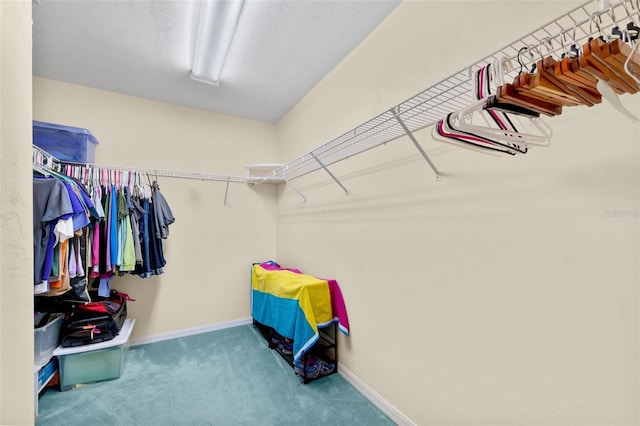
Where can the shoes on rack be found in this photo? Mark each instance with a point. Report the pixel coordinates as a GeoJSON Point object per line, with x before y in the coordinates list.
{"type": "Point", "coordinates": [286, 346]}
{"type": "Point", "coordinates": [314, 367]}
{"type": "Point", "coordinates": [307, 369]}
{"type": "Point", "coordinates": [326, 367]}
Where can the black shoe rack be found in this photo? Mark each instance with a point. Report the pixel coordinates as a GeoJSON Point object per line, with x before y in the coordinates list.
{"type": "Point", "coordinates": [326, 348]}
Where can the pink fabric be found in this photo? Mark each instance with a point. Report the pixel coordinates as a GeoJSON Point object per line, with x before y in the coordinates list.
{"type": "Point", "coordinates": [338, 307]}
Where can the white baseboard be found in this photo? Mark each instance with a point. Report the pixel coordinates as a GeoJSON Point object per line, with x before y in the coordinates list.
{"type": "Point", "coordinates": [375, 398]}
{"type": "Point", "coordinates": [192, 331]}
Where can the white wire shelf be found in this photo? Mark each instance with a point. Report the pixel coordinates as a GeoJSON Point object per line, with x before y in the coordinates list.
{"type": "Point", "coordinates": [454, 92]}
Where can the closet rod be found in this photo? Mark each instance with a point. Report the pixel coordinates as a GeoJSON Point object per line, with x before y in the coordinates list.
{"type": "Point", "coordinates": [454, 92]}
{"type": "Point", "coordinates": [166, 173]}
{"type": "Point", "coordinates": [155, 172]}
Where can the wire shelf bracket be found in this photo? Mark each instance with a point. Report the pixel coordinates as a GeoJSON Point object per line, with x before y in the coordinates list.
{"type": "Point", "coordinates": [330, 174]}
{"type": "Point", "coordinates": [409, 133]}
{"type": "Point", "coordinates": [296, 190]}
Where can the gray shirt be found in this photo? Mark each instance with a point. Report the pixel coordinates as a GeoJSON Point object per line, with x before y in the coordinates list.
{"type": "Point", "coordinates": [50, 202]}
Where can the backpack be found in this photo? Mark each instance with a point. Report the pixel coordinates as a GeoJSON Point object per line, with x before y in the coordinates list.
{"type": "Point", "coordinates": [95, 322]}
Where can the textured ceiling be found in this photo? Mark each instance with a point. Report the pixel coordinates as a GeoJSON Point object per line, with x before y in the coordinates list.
{"type": "Point", "coordinates": [145, 48]}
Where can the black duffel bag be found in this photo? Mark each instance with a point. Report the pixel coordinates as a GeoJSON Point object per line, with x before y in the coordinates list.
{"type": "Point", "coordinates": [95, 322]}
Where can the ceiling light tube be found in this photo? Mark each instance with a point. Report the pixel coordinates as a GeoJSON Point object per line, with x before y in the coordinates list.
{"type": "Point", "coordinates": [218, 23]}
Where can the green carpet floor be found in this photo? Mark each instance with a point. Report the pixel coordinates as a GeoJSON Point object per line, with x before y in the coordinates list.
{"type": "Point", "coordinates": [226, 377]}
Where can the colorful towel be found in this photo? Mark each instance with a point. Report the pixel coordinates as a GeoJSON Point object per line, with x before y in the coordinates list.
{"type": "Point", "coordinates": [296, 304]}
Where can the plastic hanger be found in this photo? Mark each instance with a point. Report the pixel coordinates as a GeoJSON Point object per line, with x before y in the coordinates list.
{"type": "Point", "coordinates": [517, 141]}
{"type": "Point", "coordinates": [624, 50]}
{"type": "Point", "coordinates": [40, 169]}
{"type": "Point", "coordinates": [612, 98]}
{"type": "Point", "coordinates": [631, 64]}
{"type": "Point", "coordinates": [486, 78]}
{"type": "Point", "coordinates": [443, 133]}
{"type": "Point", "coordinates": [501, 134]}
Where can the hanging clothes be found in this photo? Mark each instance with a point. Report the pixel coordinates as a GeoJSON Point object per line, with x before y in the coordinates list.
{"type": "Point", "coordinates": [144, 269]}
{"type": "Point", "coordinates": [50, 203]}
{"type": "Point", "coordinates": [128, 250]}
{"type": "Point", "coordinates": [162, 212]}
{"type": "Point", "coordinates": [113, 228]}
{"type": "Point", "coordinates": [135, 214]}
{"type": "Point", "coordinates": [97, 224]}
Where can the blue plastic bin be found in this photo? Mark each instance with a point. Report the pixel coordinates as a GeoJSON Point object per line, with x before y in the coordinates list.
{"type": "Point", "coordinates": [64, 142]}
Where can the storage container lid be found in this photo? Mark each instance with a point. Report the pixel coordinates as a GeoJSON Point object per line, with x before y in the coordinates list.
{"type": "Point", "coordinates": [62, 133]}
{"type": "Point", "coordinates": [120, 339]}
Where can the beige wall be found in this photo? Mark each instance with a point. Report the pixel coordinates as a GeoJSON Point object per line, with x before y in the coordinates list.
{"type": "Point", "coordinates": [211, 245]}
{"type": "Point", "coordinates": [16, 292]}
{"type": "Point", "coordinates": [506, 293]}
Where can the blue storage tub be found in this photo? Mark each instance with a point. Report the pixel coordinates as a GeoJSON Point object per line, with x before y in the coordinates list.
{"type": "Point", "coordinates": [66, 143]}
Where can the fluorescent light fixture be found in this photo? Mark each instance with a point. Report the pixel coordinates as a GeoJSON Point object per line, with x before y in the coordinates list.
{"type": "Point", "coordinates": [218, 23]}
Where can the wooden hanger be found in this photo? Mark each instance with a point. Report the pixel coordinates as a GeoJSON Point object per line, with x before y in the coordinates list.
{"type": "Point", "coordinates": [539, 86]}
{"type": "Point", "coordinates": [596, 59]}
{"type": "Point", "coordinates": [564, 70]}
{"type": "Point", "coordinates": [507, 93]}
{"type": "Point", "coordinates": [582, 67]}
{"type": "Point", "coordinates": [497, 71]}
{"type": "Point", "coordinates": [584, 96]}
{"type": "Point", "coordinates": [590, 63]}
{"type": "Point", "coordinates": [495, 103]}
{"type": "Point", "coordinates": [602, 51]}
{"type": "Point", "coordinates": [550, 85]}
{"type": "Point", "coordinates": [622, 51]}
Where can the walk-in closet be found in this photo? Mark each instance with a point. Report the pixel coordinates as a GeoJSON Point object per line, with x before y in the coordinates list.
{"type": "Point", "coordinates": [443, 228]}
